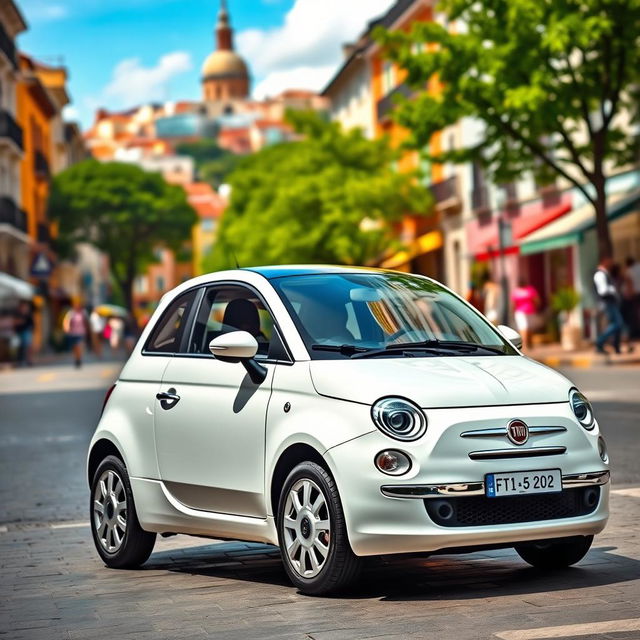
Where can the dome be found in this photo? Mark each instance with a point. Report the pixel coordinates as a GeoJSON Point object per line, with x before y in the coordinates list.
{"type": "Point", "coordinates": [224, 64]}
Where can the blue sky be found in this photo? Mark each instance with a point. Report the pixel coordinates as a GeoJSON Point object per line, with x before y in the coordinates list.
{"type": "Point", "coordinates": [123, 52]}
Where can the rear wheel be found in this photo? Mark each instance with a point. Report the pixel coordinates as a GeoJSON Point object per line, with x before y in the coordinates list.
{"type": "Point", "coordinates": [117, 534]}
{"type": "Point", "coordinates": [312, 533]}
{"type": "Point", "coordinates": [555, 554]}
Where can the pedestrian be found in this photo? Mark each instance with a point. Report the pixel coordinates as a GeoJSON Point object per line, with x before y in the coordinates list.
{"type": "Point", "coordinates": [97, 324]}
{"type": "Point", "coordinates": [525, 303]}
{"type": "Point", "coordinates": [624, 286]}
{"type": "Point", "coordinates": [130, 330]}
{"type": "Point", "coordinates": [75, 327]}
{"type": "Point", "coordinates": [633, 272]}
{"type": "Point", "coordinates": [492, 299]}
{"type": "Point", "coordinates": [608, 304]}
{"type": "Point", "coordinates": [23, 326]}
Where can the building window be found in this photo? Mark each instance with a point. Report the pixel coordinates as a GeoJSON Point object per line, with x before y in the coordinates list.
{"type": "Point", "coordinates": [159, 283]}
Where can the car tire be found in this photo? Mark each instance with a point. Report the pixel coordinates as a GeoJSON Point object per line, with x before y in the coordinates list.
{"type": "Point", "coordinates": [117, 534]}
{"type": "Point", "coordinates": [312, 533]}
{"type": "Point", "coordinates": [555, 554]}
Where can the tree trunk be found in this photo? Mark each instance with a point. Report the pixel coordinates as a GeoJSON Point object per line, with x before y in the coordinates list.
{"type": "Point", "coordinates": [605, 246]}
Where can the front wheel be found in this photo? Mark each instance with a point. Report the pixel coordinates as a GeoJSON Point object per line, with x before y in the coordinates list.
{"type": "Point", "coordinates": [119, 539]}
{"type": "Point", "coordinates": [555, 554]}
{"type": "Point", "coordinates": [312, 533]}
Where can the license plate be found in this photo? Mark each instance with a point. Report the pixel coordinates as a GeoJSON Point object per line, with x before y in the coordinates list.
{"type": "Point", "coordinates": [516, 483]}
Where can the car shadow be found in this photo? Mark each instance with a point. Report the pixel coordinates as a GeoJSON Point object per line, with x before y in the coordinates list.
{"type": "Point", "coordinates": [405, 578]}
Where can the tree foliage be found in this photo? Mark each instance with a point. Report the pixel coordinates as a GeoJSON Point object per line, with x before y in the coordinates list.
{"type": "Point", "coordinates": [305, 201]}
{"type": "Point", "coordinates": [213, 163]}
{"type": "Point", "coordinates": [555, 82]}
{"type": "Point", "coordinates": [124, 211]}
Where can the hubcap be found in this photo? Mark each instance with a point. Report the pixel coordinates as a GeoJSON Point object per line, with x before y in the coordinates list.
{"type": "Point", "coordinates": [110, 511]}
{"type": "Point", "coordinates": [307, 528]}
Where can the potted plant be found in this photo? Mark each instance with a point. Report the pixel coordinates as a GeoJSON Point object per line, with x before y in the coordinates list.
{"type": "Point", "coordinates": [564, 303]}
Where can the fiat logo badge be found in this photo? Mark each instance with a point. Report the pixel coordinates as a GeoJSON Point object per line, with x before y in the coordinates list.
{"type": "Point", "coordinates": [517, 432]}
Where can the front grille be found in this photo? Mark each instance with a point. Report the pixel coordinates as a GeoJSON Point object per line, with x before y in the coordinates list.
{"type": "Point", "coordinates": [479, 511]}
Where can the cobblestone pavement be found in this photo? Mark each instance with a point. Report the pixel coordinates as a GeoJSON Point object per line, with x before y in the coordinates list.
{"type": "Point", "coordinates": [52, 584]}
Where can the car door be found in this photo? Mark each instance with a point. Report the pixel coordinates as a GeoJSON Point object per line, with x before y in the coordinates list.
{"type": "Point", "coordinates": [210, 427]}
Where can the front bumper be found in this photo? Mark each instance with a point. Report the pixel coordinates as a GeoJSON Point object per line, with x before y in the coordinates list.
{"type": "Point", "coordinates": [388, 515]}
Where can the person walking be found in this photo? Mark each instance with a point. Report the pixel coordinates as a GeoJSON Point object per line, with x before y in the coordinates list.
{"type": "Point", "coordinates": [609, 304]}
{"type": "Point", "coordinates": [97, 324]}
{"type": "Point", "coordinates": [75, 327]}
{"type": "Point", "coordinates": [23, 326]}
{"type": "Point", "coordinates": [525, 303]}
{"type": "Point", "coordinates": [624, 286]}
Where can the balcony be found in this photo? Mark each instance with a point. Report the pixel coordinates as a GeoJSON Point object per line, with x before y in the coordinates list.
{"type": "Point", "coordinates": [386, 104]}
{"type": "Point", "coordinates": [8, 47]}
{"type": "Point", "coordinates": [10, 129]}
{"type": "Point", "coordinates": [446, 195]}
{"type": "Point", "coordinates": [10, 214]}
{"type": "Point", "coordinates": [41, 166]}
{"type": "Point", "coordinates": [550, 194]}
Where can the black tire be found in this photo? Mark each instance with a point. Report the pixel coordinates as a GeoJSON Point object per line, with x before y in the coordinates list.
{"type": "Point", "coordinates": [341, 566]}
{"type": "Point", "coordinates": [555, 554]}
{"type": "Point", "coordinates": [119, 547]}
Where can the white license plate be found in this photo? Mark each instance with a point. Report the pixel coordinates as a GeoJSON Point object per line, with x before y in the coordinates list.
{"type": "Point", "coordinates": [516, 483]}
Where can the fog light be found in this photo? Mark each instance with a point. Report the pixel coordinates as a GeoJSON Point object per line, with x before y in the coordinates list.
{"type": "Point", "coordinates": [602, 449]}
{"type": "Point", "coordinates": [393, 463]}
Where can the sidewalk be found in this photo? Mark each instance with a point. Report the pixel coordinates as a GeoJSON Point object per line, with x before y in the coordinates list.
{"type": "Point", "coordinates": [553, 356]}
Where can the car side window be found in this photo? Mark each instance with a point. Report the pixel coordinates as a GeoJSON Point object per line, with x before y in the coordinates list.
{"type": "Point", "coordinates": [167, 334]}
{"type": "Point", "coordinates": [231, 308]}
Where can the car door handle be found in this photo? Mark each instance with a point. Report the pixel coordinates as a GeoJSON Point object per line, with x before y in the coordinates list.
{"type": "Point", "coordinates": [168, 399]}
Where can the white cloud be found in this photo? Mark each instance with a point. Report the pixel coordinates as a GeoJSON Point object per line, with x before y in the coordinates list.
{"type": "Point", "coordinates": [132, 83]}
{"type": "Point", "coordinates": [308, 46]}
{"type": "Point", "coordinates": [70, 113]}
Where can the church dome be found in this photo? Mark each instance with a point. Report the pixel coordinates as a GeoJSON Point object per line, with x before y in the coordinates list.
{"type": "Point", "coordinates": [224, 64]}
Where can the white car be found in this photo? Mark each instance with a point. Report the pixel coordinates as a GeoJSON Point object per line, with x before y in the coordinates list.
{"type": "Point", "coordinates": [341, 413]}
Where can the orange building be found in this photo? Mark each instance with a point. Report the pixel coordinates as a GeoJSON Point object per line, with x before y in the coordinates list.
{"type": "Point", "coordinates": [420, 233]}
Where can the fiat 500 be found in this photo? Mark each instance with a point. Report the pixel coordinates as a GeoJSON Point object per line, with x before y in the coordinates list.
{"type": "Point", "coordinates": [341, 413]}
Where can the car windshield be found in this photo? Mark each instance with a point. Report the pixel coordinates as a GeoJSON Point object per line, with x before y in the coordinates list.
{"type": "Point", "coordinates": [345, 315]}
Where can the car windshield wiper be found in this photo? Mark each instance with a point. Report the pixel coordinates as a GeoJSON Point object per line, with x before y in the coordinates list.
{"type": "Point", "coordinates": [344, 349]}
{"type": "Point", "coordinates": [430, 345]}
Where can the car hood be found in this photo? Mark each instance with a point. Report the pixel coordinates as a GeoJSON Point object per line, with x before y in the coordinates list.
{"type": "Point", "coordinates": [441, 382]}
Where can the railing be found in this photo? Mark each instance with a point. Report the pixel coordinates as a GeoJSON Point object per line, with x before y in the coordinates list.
{"type": "Point", "coordinates": [446, 194]}
{"type": "Point", "coordinates": [41, 166]}
{"type": "Point", "coordinates": [10, 214]}
{"type": "Point", "coordinates": [550, 195]}
{"type": "Point", "coordinates": [386, 104]}
{"type": "Point", "coordinates": [8, 47]}
{"type": "Point", "coordinates": [9, 128]}
{"type": "Point", "coordinates": [44, 235]}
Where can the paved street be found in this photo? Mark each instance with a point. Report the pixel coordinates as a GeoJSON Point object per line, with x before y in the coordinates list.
{"type": "Point", "coordinates": [52, 584]}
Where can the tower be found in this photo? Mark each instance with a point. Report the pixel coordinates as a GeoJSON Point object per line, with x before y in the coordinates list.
{"type": "Point", "coordinates": [224, 73]}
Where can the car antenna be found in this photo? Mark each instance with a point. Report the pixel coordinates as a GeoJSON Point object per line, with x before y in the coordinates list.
{"type": "Point", "coordinates": [235, 259]}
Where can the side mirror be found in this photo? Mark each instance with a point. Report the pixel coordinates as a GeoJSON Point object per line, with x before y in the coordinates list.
{"type": "Point", "coordinates": [239, 346]}
{"type": "Point", "coordinates": [511, 335]}
{"type": "Point", "coordinates": [235, 344]}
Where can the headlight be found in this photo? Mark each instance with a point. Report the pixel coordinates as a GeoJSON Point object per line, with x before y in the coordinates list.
{"type": "Point", "coordinates": [399, 418]}
{"type": "Point", "coordinates": [581, 409]}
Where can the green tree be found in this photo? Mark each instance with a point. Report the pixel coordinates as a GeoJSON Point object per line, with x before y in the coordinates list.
{"type": "Point", "coordinates": [555, 82]}
{"type": "Point", "coordinates": [124, 211]}
{"type": "Point", "coordinates": [305, 201]}
{"type": "Point", "coordinates": [213, 163]}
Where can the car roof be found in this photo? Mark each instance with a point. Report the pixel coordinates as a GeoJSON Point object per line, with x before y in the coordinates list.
{"type": "Point", "coordinates": [280, 271]}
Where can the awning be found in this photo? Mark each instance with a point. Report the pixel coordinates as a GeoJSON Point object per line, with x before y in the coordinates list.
{"type": "Point", "coordinates": [11, 287]}
{"type": "Point", "coordinates": [568, 229]}
{"type": "Point", "coordinates": [421, 245]}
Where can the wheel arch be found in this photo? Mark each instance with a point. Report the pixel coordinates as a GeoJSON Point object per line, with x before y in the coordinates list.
{"type": "Point", "coordinates": [99, 451]}
{"type": "Point", "coordinates": [293, 455]}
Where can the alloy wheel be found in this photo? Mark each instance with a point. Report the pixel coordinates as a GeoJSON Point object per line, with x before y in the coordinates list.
{"type": "Point", "coordinates": [110, 511]}
{"type": "Point", "coordinates": [307, 528]}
